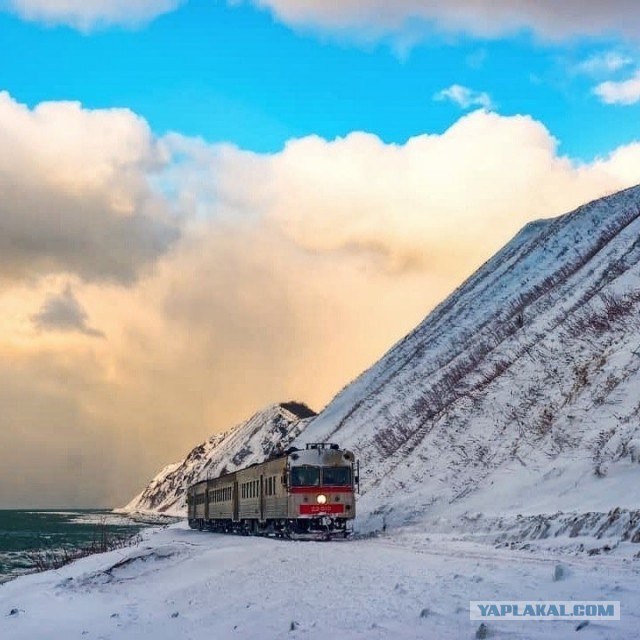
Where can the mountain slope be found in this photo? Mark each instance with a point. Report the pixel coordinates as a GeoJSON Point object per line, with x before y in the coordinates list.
{"type": "Point", "coordinates": [252, 441]}
{"type": "Point", "coordinates": [520, 393]}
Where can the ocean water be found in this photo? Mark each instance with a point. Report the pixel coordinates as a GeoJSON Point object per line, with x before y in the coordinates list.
{"type": "Point", "coordinates": [24, 532]}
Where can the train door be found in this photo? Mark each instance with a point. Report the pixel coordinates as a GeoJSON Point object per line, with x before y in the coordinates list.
{"type": "Point", "coordinates": [261, 498]}
{"type": "Point", "coordinates": [236, 502]}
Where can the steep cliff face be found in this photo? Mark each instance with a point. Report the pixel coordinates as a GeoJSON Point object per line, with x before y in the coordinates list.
{"type": "Point", "coordinates": [249, 442]}
{"type": "Point", "coordinates": [520, 393]}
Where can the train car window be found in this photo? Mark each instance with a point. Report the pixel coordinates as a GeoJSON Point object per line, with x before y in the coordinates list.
{"type": "Point", "coordinates": [337, 476]}
{"type": "Point", "coordinates": [305, 476]}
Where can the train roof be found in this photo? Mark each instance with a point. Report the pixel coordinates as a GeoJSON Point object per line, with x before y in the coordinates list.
{"type": "Point", "coordinates": [305, 455]}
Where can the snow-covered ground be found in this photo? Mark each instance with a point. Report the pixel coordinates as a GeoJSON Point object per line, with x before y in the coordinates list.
{"type": "Point", "coordinates": [403, 584]}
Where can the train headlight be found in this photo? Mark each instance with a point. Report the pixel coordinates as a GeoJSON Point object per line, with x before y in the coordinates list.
{"type": "Point", "coordinates": [322, 499]}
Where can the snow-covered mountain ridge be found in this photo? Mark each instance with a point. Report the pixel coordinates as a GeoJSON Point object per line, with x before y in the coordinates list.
{"type": "Point", "coordinates": [520, 394]}
{"type": "Point", "coordinates": [249, 442]}
{"type": "Point", "coordinates": [511, 412]}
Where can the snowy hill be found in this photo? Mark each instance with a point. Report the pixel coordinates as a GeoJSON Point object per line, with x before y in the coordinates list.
{"type": "Point", "coordinates": [518, 397]}
{"type": "Point", "coordinates": [512, 412]}
{"type": "Point", "coordinates": [249, 442]}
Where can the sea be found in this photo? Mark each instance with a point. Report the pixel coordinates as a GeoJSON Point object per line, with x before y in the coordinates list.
{"type": "Point", "coordinates": [25, 533]}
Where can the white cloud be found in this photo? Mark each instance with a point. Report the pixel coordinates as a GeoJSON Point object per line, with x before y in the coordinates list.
{"type": "Point", "coordinates": [87, 14]}
{"type": "Point", "coordinates": [604, 63]}
{"type": "Point", "coordinates": [489, 18]}
{"type": "Point", "coordinates": [464, 97]}
{"type": "Point", "coordinates": [76, 194]}
{"type": "Point", "coordinates": [625, 92]}
{"type": "Point", "coordinates": [438, 204]}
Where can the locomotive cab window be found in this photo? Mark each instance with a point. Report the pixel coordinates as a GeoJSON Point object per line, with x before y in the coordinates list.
{"type": "Point", "coordinates": [305, 476]}
{"type": "Point", "coordinates": [336, 476]}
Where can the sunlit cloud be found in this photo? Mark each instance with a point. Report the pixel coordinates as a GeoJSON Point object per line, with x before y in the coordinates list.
{"type": "Point", "coordinates": [71, 206]}
{"type": "Point", "coordinates": [89, 14]}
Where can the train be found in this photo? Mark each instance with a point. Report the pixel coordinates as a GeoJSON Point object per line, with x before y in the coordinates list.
{"type": "Point", "coordinates": [300, 494]}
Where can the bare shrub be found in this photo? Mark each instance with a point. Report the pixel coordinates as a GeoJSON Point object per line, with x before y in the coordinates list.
{"type": "Point", "coordinates": [103, 541]}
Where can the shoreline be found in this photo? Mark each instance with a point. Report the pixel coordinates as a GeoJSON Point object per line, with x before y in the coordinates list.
{"type": "Point", "coordinates": [68, 536]}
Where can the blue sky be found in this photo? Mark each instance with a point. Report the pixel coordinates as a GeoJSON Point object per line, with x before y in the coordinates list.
{"type": "Point", "coordinates": [237, 74]}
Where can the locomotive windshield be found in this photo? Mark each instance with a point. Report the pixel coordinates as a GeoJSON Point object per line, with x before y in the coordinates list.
{"type": "Point", "coordinates": [337, 476]}
{"type": "Point", "coordinates": [305, 476]}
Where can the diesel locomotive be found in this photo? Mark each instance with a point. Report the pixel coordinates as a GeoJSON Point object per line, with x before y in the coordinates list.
{"type": "Point", "coordinates": [302, 493]}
